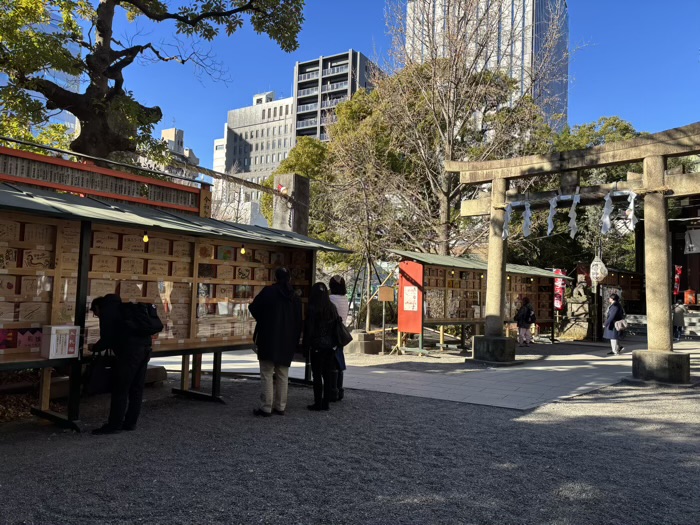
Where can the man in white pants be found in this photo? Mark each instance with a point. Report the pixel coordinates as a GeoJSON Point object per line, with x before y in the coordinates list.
{"type": "Point", "coordinates": [277, 312]}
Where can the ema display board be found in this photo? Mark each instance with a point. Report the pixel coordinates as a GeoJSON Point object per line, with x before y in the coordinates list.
{"type": "Point", "coordinates": [29, 254]}
{"type": "Point", "coordinates": [200, 287]}
{"type": "Point", "coordinates": [453, 295]}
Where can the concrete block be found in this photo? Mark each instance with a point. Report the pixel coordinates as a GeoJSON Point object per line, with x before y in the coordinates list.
{"type": "Point", "coordinates": [493, 349]}
{"type": "Point", "coordinates": [667, 367]}
{"type": "Point", "coordinates": [361, 335]}
{"type": "Point", "coordinates": [363, 343]}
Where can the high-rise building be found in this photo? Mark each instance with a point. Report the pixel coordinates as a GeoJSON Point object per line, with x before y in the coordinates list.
{"type": "Point", "coordinates": [323, 83]}
{"type": "Point", "coordinates": [528, 40]}
{"type": "Point", "coordinates": [256, 140]}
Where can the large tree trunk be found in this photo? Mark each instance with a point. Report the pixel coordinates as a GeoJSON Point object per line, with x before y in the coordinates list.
{"type": "Point", "coordinates": [108, 128]}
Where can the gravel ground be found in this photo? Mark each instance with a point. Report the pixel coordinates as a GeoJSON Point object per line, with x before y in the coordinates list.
{"type": "Point", "coordinates": [623, 455]}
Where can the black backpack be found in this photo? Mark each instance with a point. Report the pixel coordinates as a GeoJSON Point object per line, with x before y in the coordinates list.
{"type": "Point", "coordinates": [141, 319]}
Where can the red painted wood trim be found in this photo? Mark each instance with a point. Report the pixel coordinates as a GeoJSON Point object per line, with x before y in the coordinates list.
{"type": "Point", "coordinates": [94, 193]}
{"type": "Point", "coordinates": [95, 169]}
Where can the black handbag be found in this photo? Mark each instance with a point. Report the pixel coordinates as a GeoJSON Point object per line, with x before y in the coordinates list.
{"type": "Point", "coordinates": [342, 334]}
{"type": "Point", "coordinates": [99, 373]}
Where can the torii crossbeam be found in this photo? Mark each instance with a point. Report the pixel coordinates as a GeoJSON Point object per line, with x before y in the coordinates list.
{"type": "Point", "coordinates": [654, 186]}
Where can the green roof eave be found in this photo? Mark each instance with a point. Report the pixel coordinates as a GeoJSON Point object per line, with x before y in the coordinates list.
{"type": "Point", "coordinates": [68, 206]}
{"type": "Point", "coordinates": [470, 263]}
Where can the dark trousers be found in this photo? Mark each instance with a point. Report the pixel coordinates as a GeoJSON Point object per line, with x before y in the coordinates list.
{"type": "Point", "coordinates": [677, 331]}
{"type": "Point", "coordinates": [323, 368]}
{"type": "Point", "coordinates": [339, 385]}
{"type": "Point", "coordinates": [127, 386]}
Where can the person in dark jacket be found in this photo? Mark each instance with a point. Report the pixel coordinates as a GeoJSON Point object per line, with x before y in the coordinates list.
{"type": "Point", "coordinates": [129, 373]}
{"type": "Point", "coordinates": [277, 312]}
{"type": "Point", "coordinates": [320, 341]}
{"type": "Point", "coordinates": [524, 320]}
{"type": "Point", "coordinates": [679, 311]}
{"type": "Point", "coordinates": [338, 296]}
{"type": "Point", "coordinates": [615, 313]}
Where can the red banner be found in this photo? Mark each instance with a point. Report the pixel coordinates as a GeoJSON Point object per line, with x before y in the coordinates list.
{"type": "Point", "coordinates": [559, 290]}
{"type": "Point", "coordinates": [410, 297]}
{"type": "Point", "coordinates": [677, 280]}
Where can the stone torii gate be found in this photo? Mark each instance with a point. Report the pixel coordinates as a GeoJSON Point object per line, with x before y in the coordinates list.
{"type": "Point", "coordinates": [655, 185]}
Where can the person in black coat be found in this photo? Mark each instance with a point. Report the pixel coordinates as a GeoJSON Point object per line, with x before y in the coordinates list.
{"type": "Point", "coordinates": [277, 312]}
{"type": "Point", "coordinates": [320, 342]}
{"type": "Point", "coordinates": [615, 313]}
{"type": "Point", "coordinates": [129, 373]}
{"type": "Point", "coordinates": [524, 320]}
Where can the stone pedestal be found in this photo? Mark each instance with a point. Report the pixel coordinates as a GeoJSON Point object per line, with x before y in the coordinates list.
{"type": "Point", "coordinates": [291, 215]}
{"type": "Point", "coordinates": [667, 367]}
{"type": "Point", "coordinates": [363, 343]}
{"type": "Point", "coordinates": [493, 349]}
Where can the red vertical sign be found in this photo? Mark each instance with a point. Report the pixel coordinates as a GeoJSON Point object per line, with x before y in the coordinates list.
{"type": "Point", "coordinates": [677, 280]}
{"type": "Point", "coordinates": [559, 290]}
{"type": "Point", "coordinates": [410, 297]}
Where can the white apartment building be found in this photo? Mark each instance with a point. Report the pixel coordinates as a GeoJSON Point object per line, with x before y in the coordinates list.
{"type": "Point", "coordinates": [527, 39]}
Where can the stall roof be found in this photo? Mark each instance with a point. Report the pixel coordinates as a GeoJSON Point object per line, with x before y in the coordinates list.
{"type": "Point", "coordinates": [67, 206]}
{"type": "Point", "coordinates": [471, 263]}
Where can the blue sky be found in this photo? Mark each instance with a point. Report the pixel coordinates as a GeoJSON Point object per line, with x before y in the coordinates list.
{"type": "Point", "coordinates": [637, 59]}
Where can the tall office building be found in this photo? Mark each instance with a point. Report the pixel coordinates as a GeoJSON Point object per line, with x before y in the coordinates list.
{"type": "Point", "coordinates": [256, 140]}
{"type": "Point", "coordinates": [528, 40]}
{"type": "Point", "coordinates": [321, 84]}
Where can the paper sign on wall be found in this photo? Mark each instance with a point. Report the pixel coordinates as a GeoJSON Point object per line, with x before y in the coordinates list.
{"type": "Point", "coordinates": [410, 298]}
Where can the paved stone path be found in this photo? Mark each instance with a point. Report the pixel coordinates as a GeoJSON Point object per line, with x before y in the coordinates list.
{"type": "Point", "coordinates": [521, 387]}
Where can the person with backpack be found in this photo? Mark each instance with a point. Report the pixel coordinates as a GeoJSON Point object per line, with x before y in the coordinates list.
{"type": "Point", "coordinates": [610, 331]}
{"type": "Point", "coordinates": [525, 317]}
{"type": "Point", "coordinates": [277, 312]}
{"type": "Point", "coordinates": [126, 329]}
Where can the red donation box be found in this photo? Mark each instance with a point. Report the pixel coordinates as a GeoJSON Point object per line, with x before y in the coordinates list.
{"type": "Point", "coordinates": [410, 297]}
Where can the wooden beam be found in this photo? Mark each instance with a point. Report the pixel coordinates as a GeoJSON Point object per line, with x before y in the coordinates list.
{"type": "Point", "coordinates": [671, 143]}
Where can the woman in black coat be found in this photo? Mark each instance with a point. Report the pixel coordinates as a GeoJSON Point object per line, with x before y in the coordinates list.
{"type": "Point", "coordinates": [320, 341]}
{"type": "Point", "coordinates": [615, 313]}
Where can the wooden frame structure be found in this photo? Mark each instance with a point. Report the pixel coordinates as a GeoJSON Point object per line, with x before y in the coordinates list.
{"type": "Point", "coordinates": [452, 291]}
{"type": "Point", "coordinates": [58, 251]}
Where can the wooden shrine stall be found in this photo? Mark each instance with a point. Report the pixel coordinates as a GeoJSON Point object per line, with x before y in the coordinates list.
{"type": "Point", "coordinates": [60, 250]}
{"type": "Point", "coordinates": [438, 290]}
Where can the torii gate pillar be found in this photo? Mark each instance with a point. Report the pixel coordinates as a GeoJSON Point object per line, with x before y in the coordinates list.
{"type": "Point", "coordinates": [659, 361]}
{"type": "Point", "coordinates": [493, 346]}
